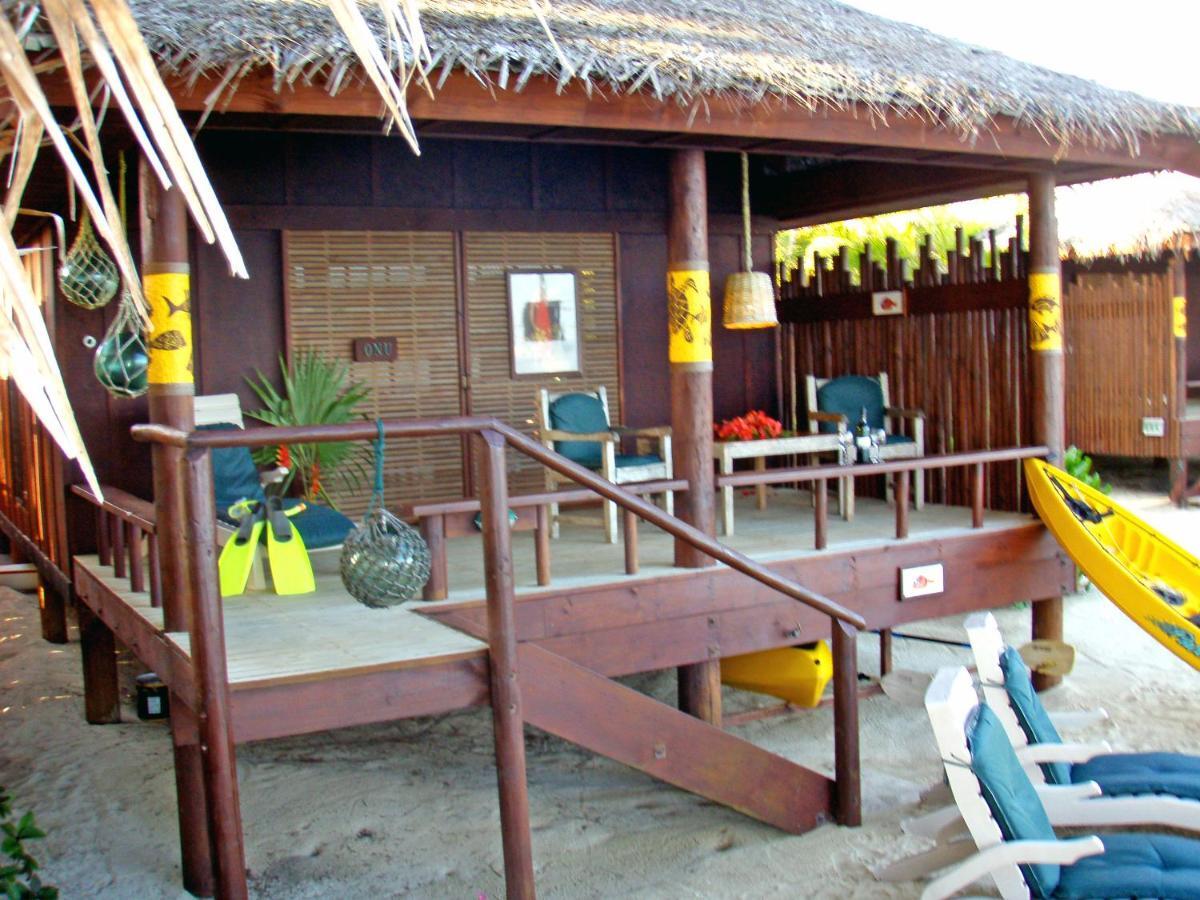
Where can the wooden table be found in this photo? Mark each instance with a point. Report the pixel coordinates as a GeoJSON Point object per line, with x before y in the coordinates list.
{"type": "Point", "coordinates": [725, 452]}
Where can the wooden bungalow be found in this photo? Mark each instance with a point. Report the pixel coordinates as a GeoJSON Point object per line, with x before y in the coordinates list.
{"type": "Point", "coordinates": [612, 153]}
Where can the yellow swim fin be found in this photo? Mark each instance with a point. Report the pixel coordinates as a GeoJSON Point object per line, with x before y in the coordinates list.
{"type": "Point", "coordinates": [291, 569]}
{"type": "Point", "coordinates": [238, 554]}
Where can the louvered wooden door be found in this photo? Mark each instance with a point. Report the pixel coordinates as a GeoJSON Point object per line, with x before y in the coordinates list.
{"type": "Point", "coordinates": [493, 391]}
{"type": "Point", "coordinates": [343, 285]}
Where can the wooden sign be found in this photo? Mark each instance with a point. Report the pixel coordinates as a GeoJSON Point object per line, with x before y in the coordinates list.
{"type": "Point", "coordinates": [1047, 657]}
{"type": "Point", "coordinates": [375, 349]}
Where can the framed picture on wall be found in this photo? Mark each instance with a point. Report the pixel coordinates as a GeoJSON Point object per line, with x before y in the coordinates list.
{"type": "Point", "coordinates": [543, 318]}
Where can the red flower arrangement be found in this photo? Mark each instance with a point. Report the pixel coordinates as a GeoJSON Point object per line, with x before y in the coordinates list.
{"type": "Point", "coordinates": [755, 425]}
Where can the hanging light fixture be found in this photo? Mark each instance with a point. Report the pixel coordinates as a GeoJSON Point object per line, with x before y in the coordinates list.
{"type": "Point", "coordinates": [749, 296]}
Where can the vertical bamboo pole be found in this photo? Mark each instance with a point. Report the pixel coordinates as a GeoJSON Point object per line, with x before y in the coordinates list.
{"type": "Point", "coordinates": [1047, 365]}
{"type": "Point", "coordinates": [507, 719]}
{"type": "Point", "coordinates": [214, 707]}
{"type": "Point", "coordinates": [1179, 463]}
{"type": "Point", "coordinates": [846, 763]}
{"type": "Point", "coordinates": [163, 219]}
{"type": "Point", "coordinates": [433, 530]}
{"type": "Point", "coordinates": [690, 354]}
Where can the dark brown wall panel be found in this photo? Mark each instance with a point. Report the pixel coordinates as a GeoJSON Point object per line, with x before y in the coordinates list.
{"type": "Point", "coordinates": [492, 175]}
{"type": "Point", "coordinates": [570, 178]}
{"type": "Point", "coordinates": [239, 323]}
{"type": "Point", "coordinates": [325, 170]}
{"type": "Point", "coordinates": [245, 169]}
{"type": "Point", "coordinates": [414, 182]}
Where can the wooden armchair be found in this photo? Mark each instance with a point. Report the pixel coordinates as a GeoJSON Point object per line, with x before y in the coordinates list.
{"type": "Point", "coordinates": [834, 401]}
{"type": "Point", "coordinates": [576, 424]}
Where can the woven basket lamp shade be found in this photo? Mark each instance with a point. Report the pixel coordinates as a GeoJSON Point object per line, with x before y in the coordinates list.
{"type": "Point", "coordinates": [749, 296]}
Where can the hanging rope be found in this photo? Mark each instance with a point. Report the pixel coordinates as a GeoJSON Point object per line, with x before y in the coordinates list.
{"type": "Point", "coordinates": [747, 261]}
{"type": "Point", "coordinates": [384, 561]}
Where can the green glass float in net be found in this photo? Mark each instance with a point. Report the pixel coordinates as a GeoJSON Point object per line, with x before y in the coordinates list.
{"type": "Point", "coordinates": [122, 361]}
{"type": "Point", "coordinates": [87, 277]}
{"type": "Point", "coordinates": [384, 560]}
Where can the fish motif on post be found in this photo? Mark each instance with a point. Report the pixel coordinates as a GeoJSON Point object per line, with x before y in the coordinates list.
{"type": "Point", "coordinates": [169, 340]}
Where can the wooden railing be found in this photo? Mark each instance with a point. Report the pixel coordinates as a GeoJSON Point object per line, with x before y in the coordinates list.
{"type": "Point", "coordinates": [820, 476]}
{"type": "Point", "coordinates": [491, 438]}
{"type": "Point", "coordinates": [126, 538]}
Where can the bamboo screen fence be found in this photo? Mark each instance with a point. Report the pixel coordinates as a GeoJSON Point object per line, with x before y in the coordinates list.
{"type": "Point", "coordinates": [959, 351]}
{"type": "Point", "coordinates": [1121, 365]}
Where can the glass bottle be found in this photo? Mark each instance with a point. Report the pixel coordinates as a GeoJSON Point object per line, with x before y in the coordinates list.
{"type": "Point", "coordinates": [862, 438]}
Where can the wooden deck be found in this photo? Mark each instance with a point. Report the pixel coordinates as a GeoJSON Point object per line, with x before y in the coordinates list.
{"type": "Point", "coordinates": [580, 557]}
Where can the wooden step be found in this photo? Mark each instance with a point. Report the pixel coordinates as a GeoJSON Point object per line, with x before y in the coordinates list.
{"type": "Point", "coordinates": [585, 708]}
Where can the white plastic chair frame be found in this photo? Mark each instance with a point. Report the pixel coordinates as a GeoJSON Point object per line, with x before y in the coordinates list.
{"type": "Point", "coordinates": [892, 416]}
{"type": "Point", "coordinates": [649, 440]}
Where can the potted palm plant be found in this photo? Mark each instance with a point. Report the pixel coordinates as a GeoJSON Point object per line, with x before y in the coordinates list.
{"type": "Point", "coordinates": [316, 391]}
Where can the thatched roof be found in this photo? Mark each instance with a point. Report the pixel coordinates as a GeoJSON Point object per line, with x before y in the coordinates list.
{"type": "Point", "coordinates": [1125, 217]}
{"type": "Point", "coordinates": [817, 53]}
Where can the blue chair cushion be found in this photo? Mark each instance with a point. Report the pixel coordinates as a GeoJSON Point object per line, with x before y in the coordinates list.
{"type": "Point", "coordinates": [1009, 794]}
{"type": "Point", "coordinates": [319, 526]}
{"type": "Point", "coordinates": [1136, 865]}
{"type": "Point", "coordinates": [847, 396]}
{"type": "Point", "coordinates": [897, 438]}
{"type": "Point", "coordinates": [1175, 774]}
{"type": "Point", "coordinates": [1031, 715]}
{"type": "Point", "coordinates": [235, 477]}
{"type": "Point", "coordinates": [583, 413]}
{"type": "Point", "coordinates": [646, 459]}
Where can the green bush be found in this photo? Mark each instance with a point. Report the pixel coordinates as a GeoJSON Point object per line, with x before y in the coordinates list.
{"type": "Point", "coordinates": [18, 877]}
{"type": "Point", "coordinates": [1078, 464]}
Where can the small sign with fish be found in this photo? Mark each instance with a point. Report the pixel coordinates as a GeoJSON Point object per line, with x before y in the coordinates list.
{"type": "Point", "coordinates": [888, 303]}
{"type": "Point", "coordinates": [921, 581]}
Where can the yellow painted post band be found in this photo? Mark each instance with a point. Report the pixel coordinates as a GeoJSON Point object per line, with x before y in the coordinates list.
{"type": "Point", "coordinates": [1179, 319]}
{"type": "Point", "coordinates": [1045, 312]}
{"type": "Point", "coordinates": [689, 316]}
{"type": "Point", "coordinates": [170, 339]}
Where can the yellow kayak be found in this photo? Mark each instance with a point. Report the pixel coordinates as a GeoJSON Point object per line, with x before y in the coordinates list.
{"type": "Point", "coordinates": [795, 674]}
{"type": "Point", "coordinates": [1150, 578]}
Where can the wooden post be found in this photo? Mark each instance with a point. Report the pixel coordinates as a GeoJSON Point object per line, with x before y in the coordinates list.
{"type": "Point", "coordinates": [541, 547]}
{"type": "Point", "coordinates": [433, 530]}
{"type": "Point", "coordinates": [846, 762]}
{"type": "Point", "coordinates": [902, 504]}
{"type": "Point", "coordinates": [508, 723]}
{"type": "Point", "coordinates": [885, 651]}
{"type": "Point", "coordinates": [631, 541]}
{"type": "Point", "coordinates": [166, 276]}
{"type": "Point", "coordinates": [689, 319]}
{"type": "Point", "coordinates": [821, 514]}
{"type": "Point", "coordinates": [977, 496]}
{"type": "Point", "coordinates": [214, 707]}
{"type": "Point", "coordinates": [98, 649]}
{"type": "Point", "coordinates": [1179, 464]}
{"type": "Point", "coordinates": [1047, 365]}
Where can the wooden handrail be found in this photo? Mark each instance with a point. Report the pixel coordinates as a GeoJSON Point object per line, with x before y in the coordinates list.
{"type": "Point", "coordinates": [368, 431]}
{"type": "Point", "coordinates": [123, 505]}
{"type": "Point", "coordinates": [822, 473]}
{"type": "Point", "coordinates": [524, 501]}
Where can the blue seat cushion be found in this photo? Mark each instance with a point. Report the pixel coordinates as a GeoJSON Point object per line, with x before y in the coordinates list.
{"type": "Point", "coordinates": [847, 396]}
{"type": "Point", "coordinates": [1136, 865]}
{"type": "Point", "coordinates": [646, 459]}
{"type": "Point", "coordinates": [1031, 715]}
{"type": "Point", "coordinates": [235, 477]}
{"type": "Point", "coordinates": [1009, 793]}
{"type": "Point", "coordinates": [1176, 774]}
{"type": "Point", "coordinates": [319, 526]}
{"type": "Point", "coordinates": [583, 413]}
{"type": "Point", "coordinates": [898, 439]}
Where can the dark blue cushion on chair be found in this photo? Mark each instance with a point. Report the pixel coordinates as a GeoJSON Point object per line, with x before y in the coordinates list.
{"type": "Point", "coordinates": [319, 526]}
{"type": "Point", "coordinates": [235, 477]}
{"type": "Point", "coordinates": [1136, 865]}
{"type": "Point", "coordinates": [847, 396]}
{"type": "Point", "coordinates": [646, 459]}
{"type": "Point", "coordinates": [898, 439]}
{"type": "Point", "coordinates": [1175, 774]}
{"type": "Point", "coordinates": [1031, 715]}
{"type": "Point", "coordinates": [1009, 793]}
{"type": "Point", "coordinates": [583, 413]}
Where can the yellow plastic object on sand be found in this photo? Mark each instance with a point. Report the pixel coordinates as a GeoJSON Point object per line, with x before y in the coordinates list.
{"type": "Point", "coordinates": [795, 674]}
{"type": "Point", "coordinates": [1150, 578]}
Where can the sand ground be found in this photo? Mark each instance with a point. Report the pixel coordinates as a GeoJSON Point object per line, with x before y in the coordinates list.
{"type": "Point", "coordinates": [409, 809]}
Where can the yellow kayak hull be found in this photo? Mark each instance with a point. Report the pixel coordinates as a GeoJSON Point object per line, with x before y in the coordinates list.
{"type": "Point", "coordinates": [796, 674]}
{"type": "Point", "coordinates": [1150, 578]}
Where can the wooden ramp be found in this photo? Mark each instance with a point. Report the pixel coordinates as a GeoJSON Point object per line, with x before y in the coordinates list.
{"type": "Point", "coordinates": [585, 708]}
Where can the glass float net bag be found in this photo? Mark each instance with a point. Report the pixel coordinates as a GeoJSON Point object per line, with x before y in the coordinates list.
{"type": "Point", "coordinates": [122, 360]}
{"type": "Point", "coordinates": [384, 560]}
{"type": "Point", "coordinates": [87, 277]}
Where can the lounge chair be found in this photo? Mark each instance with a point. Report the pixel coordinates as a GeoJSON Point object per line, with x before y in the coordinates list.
{"type": "Point", "coordinates": [1008, 690]}
{"type": "Point", "coordinates": [577, 425]}
{"type": "Point", "coordinates": [236, 477]}
{"type": "Point", "coordinates": [1012, 840]}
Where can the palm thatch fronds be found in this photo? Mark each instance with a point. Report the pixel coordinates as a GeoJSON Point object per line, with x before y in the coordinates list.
{"type": "Point", "coordinates": [1129, 217]}
{"type": "Point", "coordinates": [104, 35]}
{"type": "Point", "coordinates": [819, 54]}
